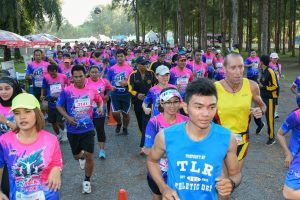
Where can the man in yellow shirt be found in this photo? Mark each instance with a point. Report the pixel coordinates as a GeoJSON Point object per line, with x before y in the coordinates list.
{"type": "Point", "coordinates": [236, 95]}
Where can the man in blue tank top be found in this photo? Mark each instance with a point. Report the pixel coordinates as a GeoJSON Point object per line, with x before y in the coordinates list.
{"type": "Point", "coordinates": [196, 150]}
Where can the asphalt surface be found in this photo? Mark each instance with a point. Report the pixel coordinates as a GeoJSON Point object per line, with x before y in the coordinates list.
{"type": "Point", "coordinates": [263, 173]}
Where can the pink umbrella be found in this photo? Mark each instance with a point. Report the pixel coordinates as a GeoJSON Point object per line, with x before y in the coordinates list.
{"type": "Point", "coordinates": [51, 37]}
{"type": "Point", "coordinates": [40, 40]}
{"type": "Point", "coordinates": [11, 40]}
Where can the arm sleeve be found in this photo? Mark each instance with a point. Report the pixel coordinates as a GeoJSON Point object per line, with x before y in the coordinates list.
{"type": "Point", "coordinates": [150, 134]}
{"type": "Point", "coordinates": [289, 123]}
{"type": "Point", "coordinates": [45, 84]}
{"type": "Point", "coordinates": [28, 70]}
{"type": "Point", "coordinates": [272, 78]}
{"type": "Point", "coordinates": [172, 78]}
{"type": "Point", "coordinates": [148, 98]}
{"type": "Point", "coordinates": [61, 99]}
{"type": "Point", "coordinates": [131, 85]}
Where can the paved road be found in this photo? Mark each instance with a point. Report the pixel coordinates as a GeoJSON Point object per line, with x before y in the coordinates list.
{"type": "Point", "coordinates": [263, 175]}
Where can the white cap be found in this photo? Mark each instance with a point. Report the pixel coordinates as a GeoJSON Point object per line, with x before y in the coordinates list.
{"type": "Point", "coordinates": [274, 55]}
{"type": "Point", "coordinates": [155, 48]}
{"type": "Point", "coordinates": [162, 70]}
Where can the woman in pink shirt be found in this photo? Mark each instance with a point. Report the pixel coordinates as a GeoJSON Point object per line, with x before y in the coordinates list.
{"type": "Point", "coordinates": [32, 155]}
{"type": "Point", "coordinates": [104, 88]}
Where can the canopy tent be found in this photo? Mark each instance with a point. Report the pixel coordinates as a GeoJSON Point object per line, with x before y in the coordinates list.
{"type": "Point", "coordinates": [12, 40]}
{"type": "Point", "coordinates": [40, 40]}
{"type": "Point", "coordinates": [51, 37]}
{"type": "Point", "coordinates": [104, 38]}
{"type": "Point", "coordinates": [151, 37]}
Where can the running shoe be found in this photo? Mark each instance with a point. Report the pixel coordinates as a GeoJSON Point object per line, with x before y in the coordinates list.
{"type": "Point", "coordinates": [59, 137]}
{"type": "Point", "coordinates": [86, 187]}
{"type": "Point", "coordinates": [259, 128]}
{"type": "Point", "coordinates": [271, 142]}
{"type": "Point", "coordinates": [276, 116]}
{"type": "Point", "coordinates": [82, 163]}
{"type": "Point", "coordinates": [102, 154]}
{"type": "Point", "coordinates": [64, 137]}
{"type": "Point", "coordinates": [118, 128]}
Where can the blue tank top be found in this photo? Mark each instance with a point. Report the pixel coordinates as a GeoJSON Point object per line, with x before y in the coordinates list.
{"type": "Point", "coordinates": [195, 165]}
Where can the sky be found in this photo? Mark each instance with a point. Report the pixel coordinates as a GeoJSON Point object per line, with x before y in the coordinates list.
{"type": "Point", "coordinates": [77, 11]}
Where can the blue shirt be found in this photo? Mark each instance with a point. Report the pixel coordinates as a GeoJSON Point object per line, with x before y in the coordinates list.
{"type": "Point", "coordinates": [193, 166]}
{"type": "Point", "coordinates": [292, 179]}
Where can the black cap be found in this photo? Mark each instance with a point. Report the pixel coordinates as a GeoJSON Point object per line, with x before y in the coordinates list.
{"type": "Point", "coordinates": [142, 60]}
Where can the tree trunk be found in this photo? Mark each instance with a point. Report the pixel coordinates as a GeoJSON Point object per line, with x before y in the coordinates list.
{"type": "Point", "coordinates": [284, 29]}
{"type": "Point", "coordinates": [223, 23]}
{"type": "Point", "coordinates": [7, 54]}
{"type": "Point", "coordinates": [259, 26]}
{"type": "Point", "coordinates": [234, 25]}
{"type": "Point", "coordinates": [136, 21]}
{"type": "Point", "coordinates": [199, 27]}
{"type": "Point", "coordinates": [290, 27]}
{"type": "Point", "coordinates": [269, 27]}
{"type": "Point", "coordinates": [143, 31]}
{"type": "Point", "coordinates": [249, 25]}
{"type": "Point", "coordinates": [162, 24]}
{"type": "Point", "coordinates": [264, 26]}
{"type": "Point", "coordinates": [229, 32]}
{"type": "Point", "coordinates": [278, 34]}
{"type": "Point", "coordinates": [180, 18]}
{"type": "Point", "coordinates": [240, 23]}
{"type": "Point", "coordinates": [203, 13]}
{"type": "Point", "coordinates": [175, 30]}
{"type": "Point", "coordinates": [213, 22]}
{"type": "Point", "coordinates": [294, 27]}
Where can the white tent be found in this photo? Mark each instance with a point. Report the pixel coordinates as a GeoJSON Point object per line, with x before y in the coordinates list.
{"type": "Point", "coordinates": [104, 38]}
{"type": "Point", "coordinates": [151, 37]}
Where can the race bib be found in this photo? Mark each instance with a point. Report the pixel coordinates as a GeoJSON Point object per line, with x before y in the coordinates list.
{"type": "Point", "coordinates": [34, 196]}
{"type": "Point", "coordinates": [255, 65]}
{"type": "Point", "coordinates": [79, 103]}
{"type": "Point", "coordinates": [182, 81]}
{"type": "Point", "coordinates": [219, 65]}
{"type": "Point", "coordinates": [56, 88]}
{"type": "Point", "coordinates": [38, 83]}
{"type": "Point", "coordinates": [209, 61]}
{"type": "Point", "coordinates": [163, 163]}
{"type": "Point", "coordinates": [239, 139]}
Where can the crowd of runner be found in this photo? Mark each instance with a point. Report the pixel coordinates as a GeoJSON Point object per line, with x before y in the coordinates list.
{"type": "Point", "coordinates": [185, 100]}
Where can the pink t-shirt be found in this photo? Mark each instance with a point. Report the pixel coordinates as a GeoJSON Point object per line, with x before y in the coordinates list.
{"type": "Point", "coordinates": [37, 70]}
{"type": "Point", "coordinates": [81, 61]}
{"type": "Point", "coordinates": [153, 58]}
{"type": "Point", "coordinates": [209, 58]}
{"type": "Point", "coordinates": [118, 73]}
{"type": "Point", "coordinates": [181, 78]}
{"type": "Point", "coordinates": [29, 165]}
{"type": "Point", "coordinates": [219, 64]}
{"type": "Point", "coordinates": [199, 70]}
{"type": "Point", "coordinates": [101, 85]}
{"type": "Point", "coordinates": [66, 71]}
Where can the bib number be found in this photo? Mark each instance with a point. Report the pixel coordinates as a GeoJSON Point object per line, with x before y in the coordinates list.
{"type": "Point", "coordinates": [56, 88]}
{"type": "Point", "coordinates": [79, 103]}
{"type": "Point", "coordinates": [38, 83]}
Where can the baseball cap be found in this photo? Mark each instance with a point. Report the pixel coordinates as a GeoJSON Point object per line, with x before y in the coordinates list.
{"type": "Point", "coordinates": [274, 55]}
{"type": "Point", "coordinates": [67, 60]}
{"type": "Point", "coordinates": [142, 60]}
{"type": "Point", "coordinates": [155, 48]}
{"type": "Point", "coordinates": [182, 57]}
{"type": "Point", "coordinates": [168, 94]}
{"type": "Point", "coordinates": [25, 100]}
{"type": "Point", "coordinates": [162, 70]}
{"type": "Point", "coordinates": [161, 53]}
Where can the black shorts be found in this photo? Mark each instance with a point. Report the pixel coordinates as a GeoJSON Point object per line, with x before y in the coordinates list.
{"type": "Point", "coordinates": [79, 142]}
{"type": "Point", "coordinates": [121, 103]}
{"type": "Point", "coordinates": [54, 116]}
{"type": "Point", "coordinates": [37, 92]}
{"type": "Point", "coordinates": [153, 186]}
